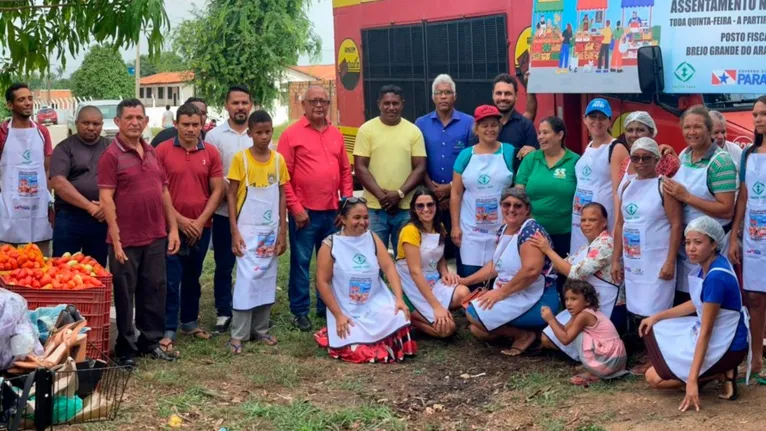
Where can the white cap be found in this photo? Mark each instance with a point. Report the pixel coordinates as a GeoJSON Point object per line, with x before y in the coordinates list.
{"type": "Point", "coordinates": [646, 144]}
{"type": "Point", "coordinates": [709, 227]}
{"type": "Point", "coordinates": [644, 118]}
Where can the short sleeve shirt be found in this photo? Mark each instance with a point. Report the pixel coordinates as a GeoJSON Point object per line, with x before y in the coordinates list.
{"type": "Point", "coordinates": [721, 170]}
{"type": "Point", "coordinates": [721, 288]}
{"type": "Point", "coordinates": [444, 143]}
{"type": "Point", "coordinates": [258, 174]}
{"type": "Point", "coordinates": [550, 189]}
{"type": "Point", "coordinates": [527, 232]}
{"type": "Point", "coordinates": [464, 157]}
{"type": "Point", "coordinates": [390, 150]}
{"type": "Point", "coordinates": [77, 161]}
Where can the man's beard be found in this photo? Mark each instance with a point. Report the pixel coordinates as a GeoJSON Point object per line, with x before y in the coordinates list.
{"type": "Point", "coordinates": [238, 121]}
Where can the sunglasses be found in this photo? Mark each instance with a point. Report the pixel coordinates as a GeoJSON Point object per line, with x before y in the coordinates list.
{"type": "Point", "coordinates": [318, 102]}
{"type": "Point", "coordinates": [515, 205]}
{"type": "Point", "coordinates": [421, 206]}
{"type": "Point", "coordinates": [641, 159]}
{"type": "Point", "coordinates": [352, 200]}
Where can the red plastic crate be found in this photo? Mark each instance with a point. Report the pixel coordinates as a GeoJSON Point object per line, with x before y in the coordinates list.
{"type": "Point", "coordinates": [93, 305]}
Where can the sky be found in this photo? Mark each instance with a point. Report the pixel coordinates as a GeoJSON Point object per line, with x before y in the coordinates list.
{"type": "Point", "coordinates": [320, 14]}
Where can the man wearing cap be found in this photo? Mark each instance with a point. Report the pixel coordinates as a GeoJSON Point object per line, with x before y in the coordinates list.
{"type": "Point", "coordinates": [390, 161]}
{"type": "Point", "coordinates": [80, 222]}
{"type": "Point", "coordinates": [516, 129]}
{"type": "Point", "coordinates": [446, 132]}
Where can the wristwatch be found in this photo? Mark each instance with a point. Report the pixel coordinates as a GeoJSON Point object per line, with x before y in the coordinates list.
{"type": "Point", "coordinates": [401, 194]}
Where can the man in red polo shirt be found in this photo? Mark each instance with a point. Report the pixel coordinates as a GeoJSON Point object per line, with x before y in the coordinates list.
{"type": "Point", "coordinates": [195, 180]}
{"type": "Point", "coordinates": [142, 229]}
{"type": "Point", "coordinates": [320, 174]}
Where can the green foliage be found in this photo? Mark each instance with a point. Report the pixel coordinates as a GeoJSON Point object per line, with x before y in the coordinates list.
{"type": "Point", "coordinates": [302, 415]}
{"type": "Point", "coordinates": [245, 42]}
{"type": "Point", "coordinates": [103, 75]}
{"type": "Point", "coordinates": [163, 62]}
{"type": "Point", "coordinates": [4, 111]}
{"type": "Point", "coordinates": [33, 32]}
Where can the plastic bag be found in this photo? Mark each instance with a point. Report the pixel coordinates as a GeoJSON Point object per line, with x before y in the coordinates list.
{"type": "Point", "coordinates": [17, 335]}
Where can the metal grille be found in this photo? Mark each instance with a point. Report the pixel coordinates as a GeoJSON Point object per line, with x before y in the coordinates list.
{"type": "Point", "coordinates": [472, 51]}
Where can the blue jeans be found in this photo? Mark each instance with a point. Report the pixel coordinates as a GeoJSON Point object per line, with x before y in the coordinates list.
{"type": "Point", "coordinates": [531, 319]}
{"type": "Point", "coordinates": [564, 56]}
{"type": "Point", "coordinates": [75, 230]}
{"type": "Point", "coordinates": [388, 226]}
{"type": "Point", "coordinates": [224, 265]}
{"type": "Point", "coordinates": [183, 288]}
{"type": "Point", "coordinates": [303, 243]}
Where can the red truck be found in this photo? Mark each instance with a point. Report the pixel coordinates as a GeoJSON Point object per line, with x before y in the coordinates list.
{"type": "Point", "coordinates": [408, 43]}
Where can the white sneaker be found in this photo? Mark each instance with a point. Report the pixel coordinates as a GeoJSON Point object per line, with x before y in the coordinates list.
{"type": "Point", "coordinates": [222, 324]}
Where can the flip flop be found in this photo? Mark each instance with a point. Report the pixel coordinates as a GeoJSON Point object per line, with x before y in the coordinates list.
{"type": "Point", "coordinates": [198, 333]}
{"type": "Point", "coordinates": [268, 340]}
{"type": "Point", "coordinates": [235, 349]}
{"type": "Point", "coordinates": [168, 348]}
{"type": "Point", "coordinates": [583, 380]}
{"type": "Point", "coordinates": [759, 378]}
{"type": "Point", "coordinates": [513, 351]}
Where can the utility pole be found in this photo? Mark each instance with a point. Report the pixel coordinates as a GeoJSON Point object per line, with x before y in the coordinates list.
{"type": "Point", "coordinates": [138, 67]}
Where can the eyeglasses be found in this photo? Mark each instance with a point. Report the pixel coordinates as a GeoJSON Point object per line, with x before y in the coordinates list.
{"type": "Point", "coordinates": [353, 200]}
{"type": "Point", "coordinates": [318, 102]}
{"type": "Point", "coordinates": [443, 93]}
{"type": "Point", "coordinates": [515, 205]}
{"type": "Point", "coordinates": [642, 159]}
{"type": "Point", "coordinates": [421, 206]}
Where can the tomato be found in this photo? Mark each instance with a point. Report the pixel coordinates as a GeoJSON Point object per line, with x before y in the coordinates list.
{"type": "Point", "coordinates": [35, 284]}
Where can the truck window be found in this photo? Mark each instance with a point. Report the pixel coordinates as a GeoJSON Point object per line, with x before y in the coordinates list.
{"type": "Point", "coordinates": [472, 51]}
{"type": "Point", "coordinates": [730, 102]}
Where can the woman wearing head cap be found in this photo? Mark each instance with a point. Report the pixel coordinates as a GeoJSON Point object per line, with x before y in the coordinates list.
{"type": "Point", "coordinates": [751, 206]}
{"type": "Point", "coordinates": [647, 237]}
{"type": "Point", "coordinates": [640, 124]}
{"type": "Point", "coordinates": [480, 174]}
{"type": "Point", "coordinates": [689, 350]}
{"type": "Point", "coordinates": [705, 184]}
{"type": "Point", "coordinates": [598, 170]}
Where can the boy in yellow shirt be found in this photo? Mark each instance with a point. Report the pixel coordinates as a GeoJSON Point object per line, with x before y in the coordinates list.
{"type": "Point", "coordinates": [259, 232]}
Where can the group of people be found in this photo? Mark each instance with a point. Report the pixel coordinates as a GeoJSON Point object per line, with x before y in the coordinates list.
{"type": "Point", "coordinates": [629, 237]}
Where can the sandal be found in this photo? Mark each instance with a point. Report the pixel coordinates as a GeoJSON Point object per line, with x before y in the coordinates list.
{"type": "Point", "coordinates": [168, 346]}
{"type": "Point", "coordinates": [759, 378]}
{"type": "Point", "coordinates": [513, 351]}
{"type": "Point", "coordinates": [198, 333]}
{"type": "Point", "coordinates": [268, 340]}
{"type": "Point", "coordinates": [733, 381]}
{"type": "Point", "coordinates": [583, 380]}
{"type": "Point", "coordinates": [235, 349]}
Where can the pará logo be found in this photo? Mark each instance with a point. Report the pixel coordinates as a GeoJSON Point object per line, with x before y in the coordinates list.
{"type": "Point", "coordinates": [484, 179]}
{"type": "Point", "coordinates": [27, 155]}
{"type": "Point", "coordinates": [586, 171]}
{"type": "Point", "coordinates": [758, 188]}
{"type": "Point", "coordinates": [267, 215]}
{"type": "Point", "coordinates": [359, 259]}
{"type": "Point", "coordinates": [631, 209]}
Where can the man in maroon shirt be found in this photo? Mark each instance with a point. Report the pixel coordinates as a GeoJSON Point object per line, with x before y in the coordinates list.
{"type": "Point", "coordinates": [320, 174]}
{"type": "Point", "coordinates": [195, 181]}
{"type": "Point", "coordinates": [133, 191]}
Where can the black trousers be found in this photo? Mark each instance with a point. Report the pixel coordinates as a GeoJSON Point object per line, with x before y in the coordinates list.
{"type": "Point", "coordinates": [140, 281]}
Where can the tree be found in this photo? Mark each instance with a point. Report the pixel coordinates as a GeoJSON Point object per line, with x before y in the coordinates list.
{"type": "Point", "coordinates": [163, 62]}
{"type": "Point", "coordinates": [33, 32]}
{"type": "Point", "coordinates": [245, 42]}
{"type": "Point", "coordinates": [102, 75]}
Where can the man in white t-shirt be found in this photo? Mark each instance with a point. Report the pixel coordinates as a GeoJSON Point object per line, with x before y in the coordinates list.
{"type": "Point", "coordinates": [167, 118]}
{"type": "Point", "coordinates": [719, 137]}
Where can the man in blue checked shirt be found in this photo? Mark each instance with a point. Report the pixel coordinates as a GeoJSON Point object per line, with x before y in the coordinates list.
{"type": "Point", "coordinates": [446, 131]}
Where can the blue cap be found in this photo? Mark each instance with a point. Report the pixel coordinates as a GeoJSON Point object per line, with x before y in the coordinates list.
{"type": "Point", "coordinates": [599, 105]}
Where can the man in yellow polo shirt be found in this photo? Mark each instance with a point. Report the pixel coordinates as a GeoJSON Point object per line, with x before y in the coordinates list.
{"type": "Point", "coordinates": [389, 161]}
{"type": "Point", "coordinates": [606, 43]}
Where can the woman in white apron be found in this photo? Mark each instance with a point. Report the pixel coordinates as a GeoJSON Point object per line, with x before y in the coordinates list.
{"type": "Point", "coordinates": [750, 219]}
{"type": "Point", "coordinates": [598, 170]}
{"type": "Point", "coordinates": [705, 184]}
{"type": "Point", "coordinates": [431, 291]}
{"type": "Point", "coordinates": [481, 173]}
{"type": "Point", "coordinates": [592, 263]}
{"type": "Point", "coordinates": [648, 234]}
{"type": "Point", "coordinates": [367, 322]}
{"type": "Point", "coordinates": [512, 307]}
{"type": "Point", "coordinates": [689, 350]}
{"type": "Point", "coordinates": [258, 239]}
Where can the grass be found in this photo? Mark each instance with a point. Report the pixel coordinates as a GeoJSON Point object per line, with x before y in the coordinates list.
{"type": "Point", "coordinates": [304, 416]}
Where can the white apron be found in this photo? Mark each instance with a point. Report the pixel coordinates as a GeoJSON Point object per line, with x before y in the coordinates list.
{"type": "Point", "coordinates": [507, 263]}
{"type": "Point", "coordinates": [258, 223]}
{"type": "Point", "coordinates": [677, 337]}
{"type": "Point", "coordinates": [754, 236]}
{"type": "Point", "coordinates": [645, 245]}
{"type": "Point", "coordinates": [361, 294]}
{"type": "Point", "coordinates": [431, 252]}
{"type": "Point", "coordinates": [695, 181]}
{"type": "Point", "coordinates": [24, 188]}
{"type": "Point", "coordinates": [594, 184]}
{"type": "Point", "coordinates": [607, 298]}
{"type": "Point", "coordinates": [485, 178]}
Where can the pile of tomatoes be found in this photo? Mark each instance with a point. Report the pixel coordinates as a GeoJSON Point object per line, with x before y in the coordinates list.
{"type": "Point", "coordinates": [69, 272]}
{"type": "Point", "coordinates": [28, 256]}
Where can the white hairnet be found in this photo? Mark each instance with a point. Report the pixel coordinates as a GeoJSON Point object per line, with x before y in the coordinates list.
{"type": "Point", "coordinates": [709, 227]}
{"type": "Point", "coordinates": [644, 118]}
{"type": "Point", "coordinates": [646, 144]}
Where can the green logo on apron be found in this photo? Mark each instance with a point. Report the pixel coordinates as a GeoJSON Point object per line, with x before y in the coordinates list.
{"type": "Point", "coordinates": [631, 209]}
{"type": "Point", "coordinates": [586, 171]}
{"type": "Point", "coordinates": [27, 155]}
{"type": "Point", "coordinates": [267, 216]}
{"type": "Point", "coordinates": [359, 259]}
{"type": "Point", "coordinates": [758, 188]}
{"type": "Point", "coordinates": [484, 179]}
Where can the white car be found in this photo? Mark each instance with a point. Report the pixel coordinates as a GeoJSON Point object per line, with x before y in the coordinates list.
{"type": "Point", "coordinates": [109, 110]}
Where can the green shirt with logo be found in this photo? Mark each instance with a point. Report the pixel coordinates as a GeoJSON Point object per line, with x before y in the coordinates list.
{"type": "Point", "coordinates": [550, 189]}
